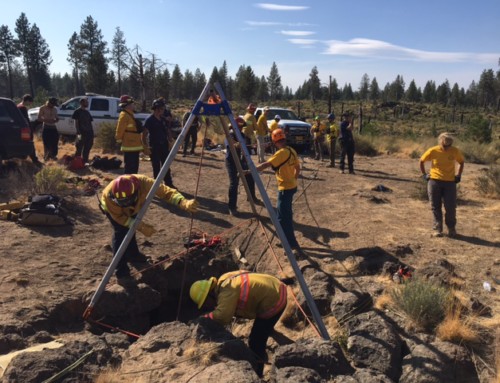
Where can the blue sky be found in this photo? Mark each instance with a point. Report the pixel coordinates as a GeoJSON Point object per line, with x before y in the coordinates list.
{"type": "Point", "coordinates": [421, 40]}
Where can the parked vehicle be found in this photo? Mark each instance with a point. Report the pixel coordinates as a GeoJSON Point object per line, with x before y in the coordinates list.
{"type": "Point", "coordinates": [102, 108]}
{"type": "Point", "coordinates": [298, 132]}
{"type": "Point", "coordinates": [15, 133]}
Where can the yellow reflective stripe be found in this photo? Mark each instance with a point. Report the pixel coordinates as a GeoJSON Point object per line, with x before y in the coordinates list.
{"type": "Point", "coordinates": [131, 148]}
{"type": "Point", "coordinates": [176, 198]}
{"type": "Point", "coordinates": [129, 222]}
{"type": "Point", "coordinates": [280, 305]}
{"type": "Point", "coordinates": [103, 204]}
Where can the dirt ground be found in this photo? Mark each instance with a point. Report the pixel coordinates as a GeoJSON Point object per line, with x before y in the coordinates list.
{"type": "Point", "coordinates": [334, 214]}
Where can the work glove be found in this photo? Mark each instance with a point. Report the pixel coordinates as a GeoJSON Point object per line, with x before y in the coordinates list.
{"type": "Point", "coordinates": [189, 205]}
{"type": "Point", "coordinates": [146, 229]}
{"type": "Point", "coordinates": [458, 179]}
{"type": "Point", "coordinates": [426, 177]}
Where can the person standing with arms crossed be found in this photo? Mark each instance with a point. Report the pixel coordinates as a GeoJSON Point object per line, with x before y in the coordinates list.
{"type": "Point", "coordinates": [47, 115]}
{"type": "Point", "coordinates": [129, 135]}
{"type": "Point", "coordinates": [84, 130]}
{"type": "Point", "coordinates": [260, 134]}
{"type": "Point", "coordinates": [442, 182]}
{"type": "Point", "coordinates": [332, 134]}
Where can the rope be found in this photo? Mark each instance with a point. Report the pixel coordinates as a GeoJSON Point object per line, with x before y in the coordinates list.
{"type": "Point", "coordinates": [114, 328]}
{"type": "Point", "coordinates": [179, 306]}
{"type": "Point", "coordinates": [68, 369]}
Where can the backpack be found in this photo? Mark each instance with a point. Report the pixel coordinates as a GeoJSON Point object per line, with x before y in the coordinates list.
{"type": "Point", "coordinates": [105, 163]}
{"type": "Point", "coordinates": [43, 210]}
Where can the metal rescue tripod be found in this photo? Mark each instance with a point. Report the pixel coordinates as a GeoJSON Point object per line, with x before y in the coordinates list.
{"type": "Point", "coordinates": [219, 109]}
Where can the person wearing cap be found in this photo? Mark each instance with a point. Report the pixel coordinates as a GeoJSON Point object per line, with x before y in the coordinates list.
{"type": "Point", "coordinates": [248, 295]}
{"type": "Point", "coordinates": [260, 135]}
{"type": "Point", "coordinates": [442, 182]}
{"type": "Point", "coordinates": [156, 137]}
{"type": "Point", "coordinates": [286, 166]}
{"type": "Point", "coordinates": [232, 170]}
{"type": "Point", "coordinates": [251, 123]}
{"type": "Point", "coordinates": [346, 140]}
{"type": "Point", "coordinates": [129, 135]}
{"type": "Point", "coordinates": [318, 131]}
{"type": "Point", "coordinates": [275, 123]}
{"type": "Point", "coordinates": [84, 130]}
{"type": "Point", "coordinates": [331, 137]}
{"type": "Point", "coordinates": [23, 106]}
{"type": "Point", "coordinates": [47, 115]}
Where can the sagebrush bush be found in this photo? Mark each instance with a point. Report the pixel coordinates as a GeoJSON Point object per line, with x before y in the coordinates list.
{"type": "Point", "coordinates": [423, 303]}
{"type": "Point", "coordinates": [50, 179]}
{"type": "Point", "coordinates": [488, 184]}
{"type": "Point", "coordinates": [364, 146]}
{"type": "Point", "coordinates": [480, 153]}
{"type": "Point", "coordinates": [106, 138]}
{"type": "Point", "coordinates": [419, 192]}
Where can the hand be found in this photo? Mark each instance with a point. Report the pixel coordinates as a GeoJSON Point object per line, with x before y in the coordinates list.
{"type": "Point", "coordinates": [147, 230]}
{"type": "Point", "coordinates": [147, 150]}
{"type": "Point", "coordinates": [458, 179]}
{"type": "Point", "coordinates": [189, 205]}
{"type": "Point", "coordinates": [78, 137]}
{"type": "Point", "coordinates": [426, 177]}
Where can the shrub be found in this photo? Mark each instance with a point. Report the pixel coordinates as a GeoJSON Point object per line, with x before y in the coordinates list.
{"type": "Point", "coordinates": [419, 192]}
{"type": "Point", "coordinates": [423, 303]}
{"type": "Point", "coordinates": [454, 328]}
{"type": "Point", "coordinates": [480, 153]}
{"type": "Point", "coordinates": [488, 184]}
{"type": "Point", "coordinates": [50, 179]}
{"type": "Point", "coordinates": [364, 146]}
{"type": "Point", "coordinates": [479, 129]}
{"type": "Point", "coordinates": [106, 138]}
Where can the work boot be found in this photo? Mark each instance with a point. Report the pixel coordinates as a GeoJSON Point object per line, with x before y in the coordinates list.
{"type": "Point", "coordinates": [452, 232]}
{"type": "Point", "coordinates": [233, 212]}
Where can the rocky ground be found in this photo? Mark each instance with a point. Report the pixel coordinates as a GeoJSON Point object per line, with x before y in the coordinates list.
{"type": "Point", "coordinates": [353, 236]}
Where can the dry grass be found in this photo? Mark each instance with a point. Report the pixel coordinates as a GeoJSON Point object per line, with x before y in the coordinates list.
{"type": "Point", "coordinates": [114, 376]}
{"type": "Point", "coordinates": [342, 268]}
{"type": "Point", "coordinates": [383, 301]}
{"type": "Point", "coordinates": [456, 328]}
{"type": "Point", "coordinates": [204, 353]}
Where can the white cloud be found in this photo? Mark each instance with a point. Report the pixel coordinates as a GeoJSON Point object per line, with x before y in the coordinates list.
{"type": "Point", "coordinates": [263, 23]}
{"type": "Point", "coordinates": [303, 41]}
{"type": "Point", "coordinates": [277, 7]}
{"type": "Point", "coordinates": [297, 33]}
{"type": "Point", "coordinates": [361, 47]}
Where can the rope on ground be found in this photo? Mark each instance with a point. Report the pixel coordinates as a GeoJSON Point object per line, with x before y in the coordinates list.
{"type": "Point", "coordinates": [114, 328]}
{"type": "Point", "coordinates": [68, 369]}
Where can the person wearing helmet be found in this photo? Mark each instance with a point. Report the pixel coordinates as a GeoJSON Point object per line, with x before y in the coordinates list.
{"type": "Point", "coordinates": [156, 137]}
{"type": "Point", "coordinates": [332, 134]}
{"type": "Point", "coordinates": [129, 135]}
{"type": "Point", "coordinates": [248, 295]}
{"type": "Point", "coordinates": [121, 201]}
{"type": "Point", "coordinates": [232, 171]}
{"type": "Point", "coordinates": [346, 140]}
{"type": "Point", "coordinates": [251, 123]}
{"type": "Point", "coordinates": [275, 123]}
{"type": "Point", "coordinates": [286, 166]}
{"type": "Point", "coordinates": [84, 130]}
{"type": "Point", "coordinates": [260, 135]}
{"type": "Point", "coordinates": [318, 131]}
{"type": "Point", "coordinates": [47, 115]}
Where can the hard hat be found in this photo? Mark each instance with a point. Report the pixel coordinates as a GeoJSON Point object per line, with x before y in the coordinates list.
{"type": "Point", "coordinates": [277, 117]}
{"type": "Point", "coordinates": [125, 190]}
{"type": "Point", "coordinates": [331, 116]}
{"type": "Point", "coordinates": [53, 101]}
{"type": "Point", "coordinates": [251, 107]}
{"type": "Point", "coordinates": [199, 290]}
{"type": "Point", "coordinates": [316, 118]}
{"type": "Point", "coordinates": [278, 135]}
{"type": "Point", "coordinates": [126, 100]}
{"type": "Point", "coordinates": [158, 103]}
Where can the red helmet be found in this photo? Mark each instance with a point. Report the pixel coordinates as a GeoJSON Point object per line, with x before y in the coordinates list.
{"type": "Point", "coordinates": [278, 135]}
{"type": "Point", "coordinates": [126, 100]}
{"type": "Point", "coordinates": [125, 190]}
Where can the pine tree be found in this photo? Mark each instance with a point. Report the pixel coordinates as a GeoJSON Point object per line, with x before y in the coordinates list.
{"type": "Point", "coordinates": [8, 52]}
{"type": "Point", "coordinates": [119, 55]}
{"type": "Point", "coordinates": [364, 87]}
{"type": "Point", "coordinates": [314, 84]}
{"type": "Point", "coordinates": [176, 83]}
{"type": "Point", "coordinates": [274, 83]}
{"type": "Point", "coordinates": [374, 90]}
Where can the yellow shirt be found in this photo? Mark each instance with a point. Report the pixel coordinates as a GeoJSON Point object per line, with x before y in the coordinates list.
{"type": "Point", "coordinates": [334, 132]}
{"type": "Point", "coordinates": [288, 162]}
{"type": "Point", "coordinates": [274, 125]}
{"type": "Point", "coordinates": [318, 131]}
{"type": "Point", "coordinates": [251, 121]}
{"type": "Point", "coordinates": [442, 162]}
{"type": "Point", "coordinates": [261, 129]}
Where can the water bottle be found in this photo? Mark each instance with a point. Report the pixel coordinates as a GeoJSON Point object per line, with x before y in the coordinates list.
{"type": "Point", "coordinates": [486, 286]}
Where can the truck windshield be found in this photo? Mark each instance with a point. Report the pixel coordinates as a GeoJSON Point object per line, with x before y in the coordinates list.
{"type": "Point", "coordinates": [283, 113]}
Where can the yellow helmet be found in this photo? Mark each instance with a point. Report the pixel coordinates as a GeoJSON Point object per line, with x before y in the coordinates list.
{"type": "Point", "coordinates": [199, 290]}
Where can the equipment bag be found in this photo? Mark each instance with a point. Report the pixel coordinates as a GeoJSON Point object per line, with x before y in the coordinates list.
{"type": "Point", "coordinates": [43, 210]}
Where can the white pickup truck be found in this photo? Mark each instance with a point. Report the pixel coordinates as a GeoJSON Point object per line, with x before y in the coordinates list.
{"type": "Point", "coordinates": [102, 109]}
